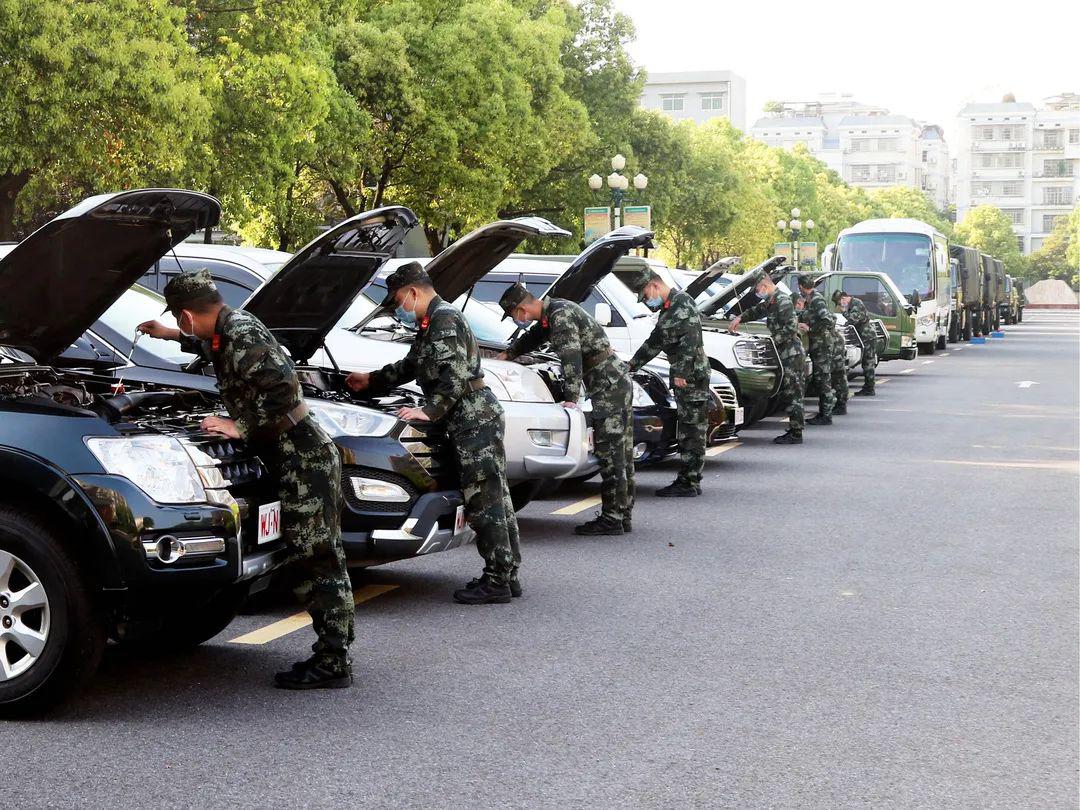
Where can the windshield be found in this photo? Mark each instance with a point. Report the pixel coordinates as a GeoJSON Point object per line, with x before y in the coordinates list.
{"type": "Point", "coordinates": [903, 257]}
{"type": "Point", "coordinates": [135, 306]}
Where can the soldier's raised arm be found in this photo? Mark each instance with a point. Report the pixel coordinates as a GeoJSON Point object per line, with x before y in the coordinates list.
{"type": "Point", "coordinates": [392, 375]}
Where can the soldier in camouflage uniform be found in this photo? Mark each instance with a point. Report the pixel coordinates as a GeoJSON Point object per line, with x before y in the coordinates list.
{"type": "Point", "coordinates": [839, 371]}
{"type": "Point", "coordinates": [445, 361]}
{"type": "Point", "coordinates": [857, 315]}
{"type": "Point", "coordinates": [678, 334]}
{"type": "Point", "coordinates": [586, 355]}
{"type": "Point", "coordinates": [261, 392]}
{"type": "Point", "coordinates": [779, 314]}
{"type": "Point", "coordinates": [815, 318]}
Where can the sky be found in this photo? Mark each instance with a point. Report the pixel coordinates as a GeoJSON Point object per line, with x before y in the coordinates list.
{"type": "Point", "coordinates": [917, 58]}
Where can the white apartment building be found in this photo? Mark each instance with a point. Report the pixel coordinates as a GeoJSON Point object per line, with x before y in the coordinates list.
{"type": "Point", "coordinates": [697, 96]}
{"type": "Point", "coordinates": [936, 166]}
{"type": "Point", "coordinates": [1023, 160]}
{"type": "Point", "coordinates": [865, 144]}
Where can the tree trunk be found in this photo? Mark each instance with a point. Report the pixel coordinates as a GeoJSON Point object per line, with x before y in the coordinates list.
{"type": "Point", "coordinates": [342, 197]}
{"type": "Point", "coordinates": [10, 186]}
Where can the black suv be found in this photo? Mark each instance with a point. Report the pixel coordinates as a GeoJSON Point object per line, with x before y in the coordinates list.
{"type": "Point", "coordinates": [118, 516]}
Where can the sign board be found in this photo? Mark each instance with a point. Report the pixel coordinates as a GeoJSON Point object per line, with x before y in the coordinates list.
{"type": "Point", "coordinates": [640, 215]}
{"type": "Point", "coordinates": [597, 223]}
{"type": "Point", "coordinates": [808, 252]}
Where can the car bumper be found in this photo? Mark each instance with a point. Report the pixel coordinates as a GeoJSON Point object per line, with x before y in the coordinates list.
{"type": "Point", "coordinates": [435, 522]}
{"type": "Point", "coordinates": [545, 441]}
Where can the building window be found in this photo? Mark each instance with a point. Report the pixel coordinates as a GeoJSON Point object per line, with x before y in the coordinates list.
{"type": "Point", "coordinates": [1051, 220]}
{"type": "Point", "coordinates": [979, 189]}
{"type": "Point", "coordinates": [987, 133]}
{"type": "Point", "coordinates": [888, 144]}
{"type": "Point", "coordinates": [1074, 136]}
{"type": "Point", "coordinates": [1050, 139]}
{"type": "Point", "coordinates": [1006, 133]}
{"type": "Point", "coordinates": [1057, 195]}
{"type": "Point", "coordinates": [860, 174]}
{"type": "Point", "coordinates": [671, 102]}
{"type": "Point", "coordinates": [885, 173]}
{"type": "Point", "coordinates": [1015, 215]}
{"type": "Point", "coordinates": [714, 101]}
{"type": "Point", "coordinates": [1057, 168]}
{"type": "Point", "coordinates": [1012, 189]}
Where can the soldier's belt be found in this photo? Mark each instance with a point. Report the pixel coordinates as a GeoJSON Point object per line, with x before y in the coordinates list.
{"type": "Point", "coordinates": [290, 420]}
{"type": "Point", "coordinates": [591, 361]}
{"type": "Point", "coordinates": [477, 384]}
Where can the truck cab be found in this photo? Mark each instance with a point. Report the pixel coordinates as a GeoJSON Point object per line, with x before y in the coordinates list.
{"type": "Point", "coordinates": [915, 257]}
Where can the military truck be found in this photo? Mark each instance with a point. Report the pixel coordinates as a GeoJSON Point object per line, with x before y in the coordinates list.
{"type": "Point", "coordinates": [968, 291]}
{"type": "Point", "coordinates": [989, 295]}
{"type": "Point", "coordinates": [1018, 304]}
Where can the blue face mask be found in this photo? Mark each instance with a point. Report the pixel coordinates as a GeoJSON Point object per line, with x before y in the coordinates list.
{"type": "Point", "coordinates": [520, 324]}
{"type": "Point", "coordinates": [760, 297]}
{"type": "Point", "coordinates": [654, 303]}
{"type": "Point", "coordinates": [405, 316]}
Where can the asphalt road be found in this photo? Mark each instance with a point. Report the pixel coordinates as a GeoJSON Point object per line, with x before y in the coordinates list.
{"type": "Point", "coordinates": [886, 615]}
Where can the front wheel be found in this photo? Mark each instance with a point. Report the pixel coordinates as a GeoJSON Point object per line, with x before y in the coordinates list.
{"type": "Point", "coordinates": [523, 492]}
{"type": "Point", "coordinates": [940, 342]}
{"type": "Point", "coordinates": [51, 631]}
{"type": "Point", "coordinates": [189, 624]}
{"type": "Point", "coordinates": [967, 328]}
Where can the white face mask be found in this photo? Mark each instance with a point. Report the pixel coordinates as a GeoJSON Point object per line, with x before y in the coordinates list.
{"type": "Point", "coordinates": [180, 320]}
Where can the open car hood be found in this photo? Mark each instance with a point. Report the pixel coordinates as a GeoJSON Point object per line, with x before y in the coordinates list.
{"type": "Point", "coordinates": [62, 277]}
{"type": "Point", "coordinates": [457, 268]}
{"type": "Point", "coordinates": [709, 275]}
{"type": "Point", "coordinates": [775, 266]}
{"type": "Point", "coordinates": [596, 261]}
{"type": "Point", "coordinates": [305, 298]}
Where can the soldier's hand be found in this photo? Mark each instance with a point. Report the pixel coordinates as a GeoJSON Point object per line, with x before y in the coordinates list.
{"type": "Point", "coordinates": [800, 305]}
{"type": "Point", "coordinates": [502, 356]}
{"type": "Point", "coordinates": [571, 405]}
{"type": "Point", "coordinates": [156, 329]}
{"type": "Point", "coordinates": [804, 327]}
{"type": "Point", "coordinates": [221, 426]}
{"type": "Point", "coordinates": [413, 415]}
{"type": "Point", "coordinates": [735, 323]}
{"type": "Point", "coordinates": [680, 382]}
{"type": "Point", "coordinates": [358, 380]}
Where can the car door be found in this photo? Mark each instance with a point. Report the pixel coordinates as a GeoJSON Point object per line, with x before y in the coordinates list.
{"type": "Point", "coordinates": [880, 303]}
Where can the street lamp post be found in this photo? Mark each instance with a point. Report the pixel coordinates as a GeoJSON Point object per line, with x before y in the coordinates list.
{"type": "Point", "coordinates": [793, 228]}
{"type": "Point", "coordinates": [618, 183]}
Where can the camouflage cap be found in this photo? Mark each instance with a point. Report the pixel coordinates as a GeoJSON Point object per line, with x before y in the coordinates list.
{"type": "Point", "coordinates": [512, 297]}
{"type": "Point", "coordinates": [758, 277]}
{"type": "Point", "coordinates": [806, 281]}
{"type": "Point", "coordinates": [638, 280]}
{"type": "Point", "coordinates": [188, 287]}
{"type": "Point", "coordinates": [408, 273]}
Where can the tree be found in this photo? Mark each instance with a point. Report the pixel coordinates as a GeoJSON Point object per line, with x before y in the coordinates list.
{"type": "Point", "coordinates": [94, 96]}
{"type": "Point", "coordinates": [989, 229]}
{"type": "Point", "coordinates": [1059, 256]}
{"type": "Point", "coordinates": [910, 203]}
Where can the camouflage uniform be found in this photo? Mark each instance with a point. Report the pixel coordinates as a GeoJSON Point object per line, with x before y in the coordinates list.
{"type": "Point", "coordinates": [839, 369]}
{"type": "Point", "coordinates": [260, 390]}
{"type": "Point", "coordinates": [816, 315]}
{"type": "Point", "coordinates": [859, 317]}
{"type": "Point", "coordinates": [445, 361]}
{"type": "Point", "coordinates": [779, 314]}
{"type": "Point", "coordinates": [585, 352]}
{"type": "Point", "coordinates": [678, 334]}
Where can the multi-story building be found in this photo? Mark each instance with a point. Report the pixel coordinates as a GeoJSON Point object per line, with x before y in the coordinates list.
{"type": "Point", "coordinates": [697, 96]}
{"type": "Point", "coordinates": [936, 166]}
{"type": "Point", "coordinates": [864, 144]}
{"type": "Point", "coordinates": [1022, 159]}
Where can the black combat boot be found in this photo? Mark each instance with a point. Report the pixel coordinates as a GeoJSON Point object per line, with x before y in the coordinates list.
{"type": "Point", "coordinates": [627, 526]}
{"type": "Point", "coordinates": [678, 489]}
{"type": "Point", "coordinates": [820, 419]}
{"type": "Point", "coordinates": [483, 592]}
{"type": "Point", "coordinates": [601, 524]}
{"type": "Point", "coordinates": [313, 675]}
{"type": "Point", "coordinates": [515, 584]}
{"type": "Point", "coordinates": [788, 438]}
{"type": "Point", "coordinates": [865, 392]}
{"type": "Point", "coordinates": [840, 410]}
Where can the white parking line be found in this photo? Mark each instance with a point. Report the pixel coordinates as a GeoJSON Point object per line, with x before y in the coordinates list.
{"type": "Point", "coordinates": [907, 371]}
{"type": "Point", "coordinates": [943, 354]}
{"type": "Point", "coordinates": [927, 362]}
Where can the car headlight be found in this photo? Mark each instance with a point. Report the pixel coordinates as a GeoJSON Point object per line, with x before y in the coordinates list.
{"type": "Point", "coordinates": [519, 383]}
{"type": "Point", "coordinates": [927, 320]}
{"type": "Point", "coordinates": [158, 465]}
{"type": "Point", "coordinates": [641, 396]}
{"type": "Point", "coordinates": [350, 420]}
{"type": "Point", "coordinates": [752, 353]}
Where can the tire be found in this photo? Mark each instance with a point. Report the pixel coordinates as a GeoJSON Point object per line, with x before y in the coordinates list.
{"type": "Point", "coordinates": [967, 326]}
{"type": "Point", "coordinates": [927, 348]}
{"type": "Point", "coordinates": [1020, 315]}
{"type": "Point", "coordinates": [68, 617]}
{"type": "Point", "coordinates": [523, 492]}
{"type": "Point", "coordinates": [940, 342]}
{"type": "Point", "coordinates": [186, 626]}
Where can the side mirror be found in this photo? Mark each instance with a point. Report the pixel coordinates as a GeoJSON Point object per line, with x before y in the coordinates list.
{"type": "Point", "coordinates": [916, 299]}
{"type": "Point", "coordinates": [602, 313]}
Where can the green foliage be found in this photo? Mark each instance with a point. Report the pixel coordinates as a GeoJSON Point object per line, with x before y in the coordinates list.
{"type": "Point", "coordinates": [989, 229]}
{"type": "Point", "coordinates": [1059, 256]}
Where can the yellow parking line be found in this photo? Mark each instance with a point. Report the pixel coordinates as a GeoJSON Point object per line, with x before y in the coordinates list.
{"type": "Point", "coordinates": [1062, 466]}
{"type": "Point", "coordinates": [722, 448]}
{"type": "Point", "coordinates": [580, 506]}
{"type": "Point", "coordinates": [298, 621]}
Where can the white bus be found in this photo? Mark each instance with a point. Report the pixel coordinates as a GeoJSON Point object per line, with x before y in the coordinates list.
{"type": "Point", "coordinates": [915, 256]}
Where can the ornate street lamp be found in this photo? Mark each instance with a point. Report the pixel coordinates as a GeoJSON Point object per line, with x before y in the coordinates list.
{"type": "Point", "coordinates": [618, 183]}
{"type": "Point", "coordinates": [793, 228]}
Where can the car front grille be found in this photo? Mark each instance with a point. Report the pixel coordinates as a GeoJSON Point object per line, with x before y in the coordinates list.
{"type": "Point", "coordinates": [380, 507]}
{"type": "Point", "coordinates": [727, 396]}
{"type": "Point", "coordinates": [239, 466]}
{"type": "Point", "coordinates": [429, 446]}
{"type": "Point", "coordinates": [757, 352]}
{"type": "Point", "coordinates": [851, 335]}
